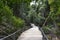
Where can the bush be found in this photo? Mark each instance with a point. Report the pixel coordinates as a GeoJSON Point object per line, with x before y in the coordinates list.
{"type": "Point", "coordinates": [47, 29]}
{"type": "Point", "coordinates": [17, 22]}
{"type": "Point", "coordinates": [8, 22]}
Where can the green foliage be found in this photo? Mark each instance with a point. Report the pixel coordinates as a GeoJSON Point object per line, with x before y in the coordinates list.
{"type": "Point", "coordinates": [50, 1]}
{"type": "Point", "coordinates": [47, 29]}
{"type": "Point", "coordinates": [35, 14]}
{"type": "Point", "coordinates": [6, 13]}
{"type": "Point", "coordinates": [17, 22]}
{"type": "Point", "coordinates": [17, 1]}
{"type": "Point", "coordinates": [57, 33]}
{"type": "Point", "coordinates": [7, 19]}
{"type": "Point", "coordinates": [55, 13]}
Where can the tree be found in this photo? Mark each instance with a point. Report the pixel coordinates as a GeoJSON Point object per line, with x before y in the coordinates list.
{"type": "Point", "coordinates": [8, 21]}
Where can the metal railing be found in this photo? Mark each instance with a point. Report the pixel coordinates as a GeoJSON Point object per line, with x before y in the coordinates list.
{"type": "Point", "coordinates": [13, 35]}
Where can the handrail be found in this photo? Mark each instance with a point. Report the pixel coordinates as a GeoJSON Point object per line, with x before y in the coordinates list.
{"type": "Point", "coordinates": [44, 36]}
{"type": "Point", "coordinates": [10, 35]}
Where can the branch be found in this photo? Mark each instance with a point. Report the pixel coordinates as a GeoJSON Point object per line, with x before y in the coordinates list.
{"type": "Point", "coordinates": [46, 20]}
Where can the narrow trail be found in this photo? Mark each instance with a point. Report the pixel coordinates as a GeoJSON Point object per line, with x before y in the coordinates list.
{"type": "Point", "coordinates": [31, 34]}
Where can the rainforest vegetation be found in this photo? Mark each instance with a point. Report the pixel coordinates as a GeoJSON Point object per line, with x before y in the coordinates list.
{"type": "Point", "coordinates": [18, 14]}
